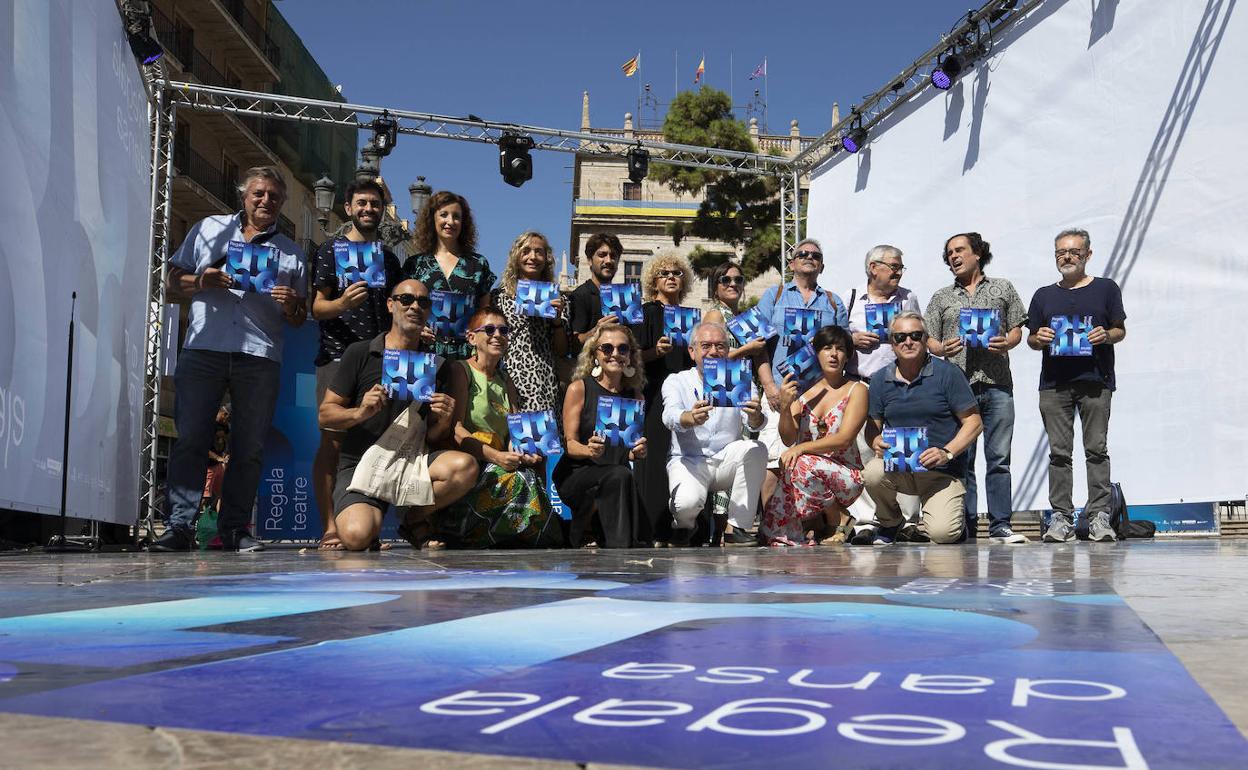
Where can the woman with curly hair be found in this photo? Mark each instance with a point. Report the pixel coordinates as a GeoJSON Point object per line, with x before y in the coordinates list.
{"type": "Point", "coordinates": [443, 258]}
{"type": "Point", "coordinates": [535, 342]}
{"type": "Point", "coordinates": [595, 479]}
{"type": "Point", "coordinates": [665, 282]}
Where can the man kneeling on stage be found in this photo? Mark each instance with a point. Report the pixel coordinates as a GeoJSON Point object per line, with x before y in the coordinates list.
{"type": "Point", "coordinates": [385, 457]}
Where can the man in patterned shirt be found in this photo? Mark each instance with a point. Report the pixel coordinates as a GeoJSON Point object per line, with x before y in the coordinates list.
{"type": "Point", "coordinates": [346, 315]}
{"type": "Point", "coordinates": [987, 369]}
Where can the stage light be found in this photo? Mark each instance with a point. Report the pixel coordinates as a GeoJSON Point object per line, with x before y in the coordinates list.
{"type": "Point", "coordinates": [385, 133]}
{"type": "Point", "coordinates": [137, 17]}
{"type": "Point", "coordinates": [514, 162]}
{"type": "Point", "coordinates": [638, 164]}
{"type": "Point", "coordinates": [947, 70]}
{"type": "Point", "coordinates": [854, 138]}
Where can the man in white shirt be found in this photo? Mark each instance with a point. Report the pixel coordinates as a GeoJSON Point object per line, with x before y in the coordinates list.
{"type": "Point", "coordinates": [708, 454]}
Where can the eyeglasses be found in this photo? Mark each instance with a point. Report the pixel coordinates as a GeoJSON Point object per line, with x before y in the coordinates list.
{"type": "Point", "coordinates": [731, 280]}
{"type": "Point", "coordinates": [900, 337]}
{"type": "Point", "coordinates": [707, 347]}
{"type": "Point", "coordinates": [671, 273]}
{"type": "Point", "coordinates": [808, 254]}
{"type": "Point", "coordinates": [1059, 253]}
{"type": "Point", "coordinates": [490, 330]}
{"type": "Point", "coordinates": [899, 269]}
{"type": "Point", "coordinates": [607, 349]}
{"type": "Point", "coordinates": [422, 300]}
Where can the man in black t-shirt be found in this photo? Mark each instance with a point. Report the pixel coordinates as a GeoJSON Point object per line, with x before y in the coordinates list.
{"type": "Point", "coordinates": [1071, 383]}
{"type": "Point", "coordinates": [346, 315]}
{"type": "Point", "coordinates": [356, 405]}
{"type": "Point", "coordinates": [585, 307]}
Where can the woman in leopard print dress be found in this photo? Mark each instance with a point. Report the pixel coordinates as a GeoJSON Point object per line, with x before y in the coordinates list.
{"type": "Point", "coordinates": [534, 342]}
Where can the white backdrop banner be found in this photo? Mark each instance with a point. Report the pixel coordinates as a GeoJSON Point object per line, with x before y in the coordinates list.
{"type": "Point", "coordinates": [74, 163]}
{"type": "Point", "coordinates": [1125, 119]}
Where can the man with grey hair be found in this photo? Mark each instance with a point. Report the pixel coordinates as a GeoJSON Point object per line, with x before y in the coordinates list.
{"type": "Point", "coordinates": [708, 454]}
{"type": "Point", "coordinates": [233, 345]}
{"type": "Point", "coordinates": [1077, 379]}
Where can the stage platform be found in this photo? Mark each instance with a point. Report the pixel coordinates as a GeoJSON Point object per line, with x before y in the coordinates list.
{"type": "Point", "coordinates": [1085, 655]}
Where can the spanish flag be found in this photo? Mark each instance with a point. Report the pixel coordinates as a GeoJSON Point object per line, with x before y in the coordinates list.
{"type": "Point", "coordinates": [697, 76]}
{"type": "Point", "coordinates": [630, 67]}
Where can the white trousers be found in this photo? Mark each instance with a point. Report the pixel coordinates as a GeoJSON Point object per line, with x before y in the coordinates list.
{"type": "Point", "coordinates": [736, 469]}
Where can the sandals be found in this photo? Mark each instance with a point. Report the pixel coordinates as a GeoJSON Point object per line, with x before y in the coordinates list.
{"type": "Point", "coordinates": [420, 535]}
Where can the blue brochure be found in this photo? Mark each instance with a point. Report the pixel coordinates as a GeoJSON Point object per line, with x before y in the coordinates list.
{"type": "Point", "coordinates": [803, 364]}
{"type": "Point", "coordinates": [449, 315]}
{"type": "Point", "coordinates": [879, 315]}
{"type": "Point", "coordinates": [623, 299]}
{"type": "Point", "coordinates": [355, 262]}
{"type": "Point", "coordinates": [978, 325]}
{"type": "Point", "coordinates": [751, 325]}
{"type": "Point", "coordinates": [408, 375]}
{"type": "Point", "coordinates": [534, 297]}
{"type": "Point", "coordinates": [620, 420]}
{"type": "Point", "coordinates": [534, 433]}
{"type": "Point", "coordinates": [253, 266]}
{"type": "Point", "coordinates": [678, 323]}
{"type": "Point", "coordinates": [726, 382]}
{"type": "Point", "coordinates": [800, 326]}
{"type": "Point", "coordinates": [1071, 335]}
{"type": "Point", "coordinates": [904, 447]}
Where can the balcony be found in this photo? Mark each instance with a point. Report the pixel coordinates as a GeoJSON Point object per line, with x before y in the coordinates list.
{"type": "Point", "coordinates": [228, 27]}
{"type": "Point", "coordinates": [200, 189]}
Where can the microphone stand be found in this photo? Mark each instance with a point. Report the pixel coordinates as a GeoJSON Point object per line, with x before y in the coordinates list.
{"type": "Point", "coordinates": [60, 543]}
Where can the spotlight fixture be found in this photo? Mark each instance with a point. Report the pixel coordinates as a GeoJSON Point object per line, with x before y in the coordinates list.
{"type": "Point", "coordinates": [853, 139]}
{"type": "Point", "coordinates": [638, 163]}
{"type": "Point", "coordinates": [947, 70]}
{"type": "Point", "coordinates": [1002, 10]}
{"type": "Point", "coordinates": [137, 18]}
{"type": "Point", "coordinates": [514, 162]}
{"type": "Point", "coordinates": [385, 133]}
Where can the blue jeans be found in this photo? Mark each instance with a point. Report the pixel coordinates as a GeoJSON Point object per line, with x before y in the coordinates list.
{"type": "Point", "coordinates": [202, 379]}
{"type": "Point", "coordinates": [996, 409]}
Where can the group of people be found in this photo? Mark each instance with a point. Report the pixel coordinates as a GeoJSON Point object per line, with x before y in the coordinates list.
{"type": "Point", "coordinates": [803, 455]}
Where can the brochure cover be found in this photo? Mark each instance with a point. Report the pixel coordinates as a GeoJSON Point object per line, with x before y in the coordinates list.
{"type": "Point", "coordinates": [1071, 335]}
{"type": "Point", "coordinates": [878, 316]}
{"type": "Point", "coordinates": [534, 433]}
{"type": "Point", "coordinates": [355, 262]}
{"type": "Point", "coordinates": [253, 266]}
{"type": "Point", "coordinates": [803, 363]}
{"type": "Point", "coordinates": [533, 298]}
{"type": "Point", "coordinates": [449, 315]}
{"type": "Point", "coordinates": [678, 323]}
{"type": "Point", "coordinates": [800, 326]}
{"type": "Point", "coordinates": [726, 382]}
{"type": "Point", "coordinates": [623, 299]}
{"type": "Point", "coordinates": [978, 325]}
{"type": "Point", "coordinates": [408, 375]}
{"type": "Point", "coordinates": [751, 325]}
{"type": "Point", "coordinates": [620, 420]}
{"type": "Point", "coordinates": [904, 447]}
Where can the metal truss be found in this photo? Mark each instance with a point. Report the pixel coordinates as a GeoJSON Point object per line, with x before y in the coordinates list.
{"type": "Point", "coordinates": [469, 129]}
{"type": "Point", "coordinates": [972, 38]}
{"type": "Point", "coordinates": [790, 220]}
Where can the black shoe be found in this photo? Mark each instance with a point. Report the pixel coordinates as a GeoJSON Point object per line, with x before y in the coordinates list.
{"type": "Point", "coordinates": [738, 537]}
{"type": "Point", "coordinates": [240, 540]}
{"type": "Point", "coordinates": [681, 538]}
{"type": "Point", "coordinates": [910, 533]}
{"type": "Point", "coordinates": [864, 536]}
{"type": "Point", "coordinates": [173, 540]}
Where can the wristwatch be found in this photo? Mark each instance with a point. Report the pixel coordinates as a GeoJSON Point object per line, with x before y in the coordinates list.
{"type": "Point", "coordinates": [948, 454]}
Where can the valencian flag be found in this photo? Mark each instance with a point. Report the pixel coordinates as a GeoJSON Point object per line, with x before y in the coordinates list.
{"type": "Point", "coordinates": [630, 67]}
{"type": "Point", "coordinates": [697, 76]}
{"type": "Point", "coordinates": [760, 71]}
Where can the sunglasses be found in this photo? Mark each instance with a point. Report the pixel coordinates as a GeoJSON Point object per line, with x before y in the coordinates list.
{"type": "Point", "coordinates": [422, 300]}
{"type": "Point", "coordinates": [808, 254]}
{"type": "Point", "coordinates": [731, 280]}
{"type": "Point", "coordinates": [490, 330]}
{"type": "Point", "coordinates": [900, 337]}
{"type": "Point", "coordinates": [607, 349]}
{"type": "Point", "coordinates": [671, 273]}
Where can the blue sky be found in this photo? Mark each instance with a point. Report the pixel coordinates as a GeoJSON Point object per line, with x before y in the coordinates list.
{"type": "Point", "coordinates": [529, 63]}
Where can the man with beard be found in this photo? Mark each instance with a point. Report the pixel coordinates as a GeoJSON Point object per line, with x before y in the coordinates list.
{"type": "Point", "coordinates": [585, 302]}
{"type": "Point", "coordinates": [346, 315]}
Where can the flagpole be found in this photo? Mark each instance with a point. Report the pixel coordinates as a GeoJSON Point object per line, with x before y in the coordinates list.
{"type": "Point", "coordinates": [676, 75]}
{"type": "Point", "coordinates": [732, 103]}
{"type": "Point", "coordinates": [766, 76]}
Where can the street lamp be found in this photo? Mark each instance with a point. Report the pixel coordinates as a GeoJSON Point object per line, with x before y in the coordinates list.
{"type": "Point", "coordinates": [323, 194]}
{"type": "Point", "coordinates": [420, 192]}
{"type": "Point", "coordinates": [370, 163]}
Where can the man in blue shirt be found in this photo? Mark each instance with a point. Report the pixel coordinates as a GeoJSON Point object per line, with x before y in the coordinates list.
{"type": "Point", "coordinates": [803, 292]}
{"type": "Point", "coordinates": [919, 391]}
{"type": "Point", "coordinates": [233, 345]}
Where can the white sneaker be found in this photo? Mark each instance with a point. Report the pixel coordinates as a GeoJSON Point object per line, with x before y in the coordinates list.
{"type": "Point", "coordinates": [1008, 536]}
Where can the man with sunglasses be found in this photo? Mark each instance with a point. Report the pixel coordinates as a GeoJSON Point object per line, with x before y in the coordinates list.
{"type": "Point", "coordinates": [707, 453]}
{"type": "Point", "coordinates": [987, 369]}
{"type": "Point", "coordinates": [603, 252]}
{"type": "Point", "coordinates": [919, 391]}
{"type": "Point", "coordinates": [1082, 384]}
{"type": "Point", "coordinates": [356, 405]}
{"type": "Point", "coordinates": [804, 291]}
{"type": "Point", "coordinates": [346, 315]}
